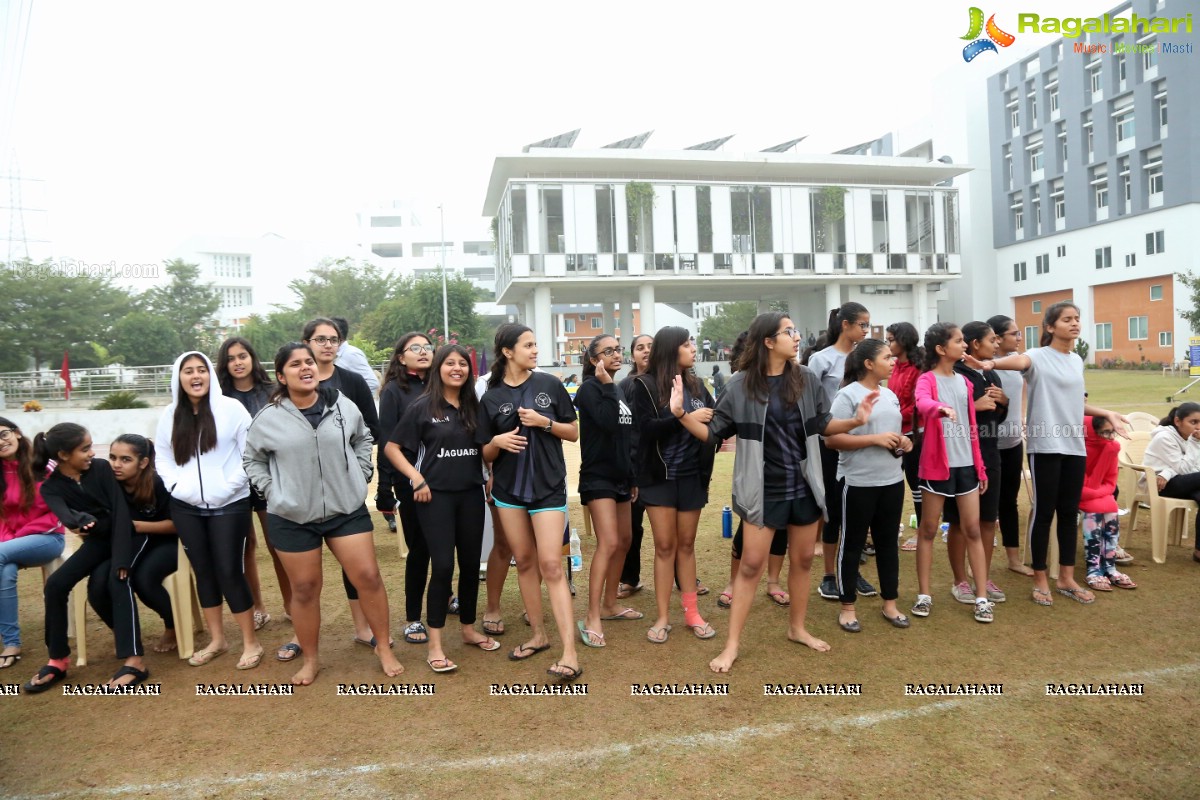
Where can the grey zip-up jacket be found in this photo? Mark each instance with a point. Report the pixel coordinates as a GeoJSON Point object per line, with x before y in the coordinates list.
{"type": "Point", "coordinates": [738, 413]}
{"type": "Point", "coordinates": [309, 475]}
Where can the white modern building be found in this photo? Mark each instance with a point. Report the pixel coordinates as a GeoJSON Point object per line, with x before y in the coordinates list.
{"type": "Point", "coordinates": [624, 226]}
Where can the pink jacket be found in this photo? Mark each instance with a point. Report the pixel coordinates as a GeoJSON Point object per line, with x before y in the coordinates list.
{"type": "Point", "coordinates": [935, 464]}
{"type": "Point", "coordinates": [15, 519]}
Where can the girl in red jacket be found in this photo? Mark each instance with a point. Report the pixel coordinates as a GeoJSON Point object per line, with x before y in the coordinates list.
{"type": "Point", "coordinates": [1099, 506]}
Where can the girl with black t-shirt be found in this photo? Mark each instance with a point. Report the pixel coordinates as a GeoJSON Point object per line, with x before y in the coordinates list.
{"type": "Point", "coordinates": [403, 383]}
{"type": "Point", "coordinates": [631, 571]}
{"type": "Point", "coordinates": [132, 460]}
{"type": "Point", "coordinates": [523, 418]}
{"type": "Point", "coordinates": [84, 495]}
{"type": "Point", "coordinates": [242, 377]}
{"type": "Point", "coordinates": [674, 470]}
{"type": "Point", "coordinates": [434, 448]}
{"type": "Point", "coordinates": [605, 481]}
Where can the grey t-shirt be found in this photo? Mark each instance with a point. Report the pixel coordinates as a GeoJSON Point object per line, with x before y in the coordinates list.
{"type": "Point", "coordinates": [870, 466]}
{"type": "Point", "coordinates": [1054, 420]}
{"type": "Point", "coordinates": [952, 391]}
{"type": "Point", "coordinates": [1009, 433]}
{"type": "Point", "coordinates": [830, 366]}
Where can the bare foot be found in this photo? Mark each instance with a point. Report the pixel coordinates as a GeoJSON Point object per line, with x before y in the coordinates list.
{"type": "Point", "coordinates": [307, 674]}
{"type": "Point", "coordinates": [724, 662]}
{"type": "Point", "coordinates": [387, 659]}
{"type": "Point", "coordinates": [819, 550]}
{"type": "Point", "coordinates": [166, 643]}
{"type": "Point", "coordinates": [1021, 569]}
{"type": "Point", "coordinates": [807, 639]}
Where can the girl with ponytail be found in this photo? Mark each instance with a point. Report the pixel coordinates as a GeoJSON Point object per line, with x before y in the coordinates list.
{"type": "Point", "coordinates": [1011, 442]}
{"type": "Point", "coordinates": [1174, 453]}
{"type": "Point", "coordinates": [904, 342]}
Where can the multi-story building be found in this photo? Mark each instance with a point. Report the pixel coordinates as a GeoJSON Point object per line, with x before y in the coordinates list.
{"type": "Point", "coordinates": [407, 243]}
{"type": "Point", "coordinates": [624, 226]}
{"type": "Point", "coordinates": [1092, 200]}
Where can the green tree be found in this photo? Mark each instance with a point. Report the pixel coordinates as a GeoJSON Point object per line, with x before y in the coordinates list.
{"type": "Point", "coordinates": [730, 320]}
{"type": "Point", "coordinates": [142, 339]}
{"type": "Point", "coordinates": [1191, 313]}
{"type": "Point", "coordinates": [45, 313]}
{"type": "Point", "coordinates": [271, 332]}
{"type": "Point", "coordinates": [189, 305]}
{"type": "Point", "coordinates": [417, 306]}
{"type": "Point", "coordinates": [343, 288]}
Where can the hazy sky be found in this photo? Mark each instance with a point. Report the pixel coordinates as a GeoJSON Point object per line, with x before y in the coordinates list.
{"type": "Point", "coordinates": [152, 122]}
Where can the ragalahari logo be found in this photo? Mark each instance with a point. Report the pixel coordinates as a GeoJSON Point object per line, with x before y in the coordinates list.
{"type": "Point", "coordinates": [995, 36]}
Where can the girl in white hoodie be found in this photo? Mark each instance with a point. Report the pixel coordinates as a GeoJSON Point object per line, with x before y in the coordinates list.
{"type": "Point", "coordinates": [200, 440]}
{"type": "Point", "coordinates": [1174, 454]}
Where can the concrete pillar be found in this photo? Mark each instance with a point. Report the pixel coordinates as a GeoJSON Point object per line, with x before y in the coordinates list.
{"type": "Point", "coordinates": [527, 312]}
{"type": "Point", "coordinates": [543, 326]}
{"type": "Point", "coordinates": [833, 299]}
{"type": "Point", "coordinates": [646, 308]}
{"type": "Point", "coordinates": [763, 306]}
{"type": "Point", "coordinates": [920, 307]}
{"type": "Point", "coordinates": [795, 301]}
{"type": "Point", "coordinates": [606, 309]}
{"type": "Point", "coordinates": [627, 331]}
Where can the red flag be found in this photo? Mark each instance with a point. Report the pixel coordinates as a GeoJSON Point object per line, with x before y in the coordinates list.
{"type": "Point", "coordinates": [65, 374]}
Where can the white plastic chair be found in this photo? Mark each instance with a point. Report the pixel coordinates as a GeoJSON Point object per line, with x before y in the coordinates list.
{"type": "Point", "coordinates": [1142, 422]}
{"type": "Point", "coordinates": [1165, 513]}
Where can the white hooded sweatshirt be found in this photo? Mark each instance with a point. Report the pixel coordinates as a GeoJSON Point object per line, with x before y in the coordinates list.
{"type": "Point", "coordinates": [216, 478]}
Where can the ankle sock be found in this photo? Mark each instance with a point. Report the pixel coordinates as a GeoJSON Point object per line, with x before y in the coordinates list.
{"type": "Point", "coordinates": [691, 614]}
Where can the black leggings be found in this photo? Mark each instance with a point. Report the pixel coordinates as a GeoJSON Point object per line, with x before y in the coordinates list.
{"type": "Point", "coordinates": [1011, 467]}
{"type": "Point", "coordinates": [829, 463]}
{"type": "Point", "coordinates": [416, 565]}
{"type": "Point", "coordinates": [1185, 487]}
{"type": "Point", "coordinates": [870, 508]}
{"type": "Point", "coordinates": [1057, 485]}
{"type": "Point", "coordinates": [216, 546]}
{"type": "Point", "coordinates": [911, 462]}
{"type": "Point", "coordinates": [631, 572]}
{"type": "Point", "coordinates": [94, 557]}
{"type": "Point", "coordinates": [453, 521]}
{"type": "Point", "coordinates": [159, 559]}
{"type": "Point", "coordinates": [778, 542]}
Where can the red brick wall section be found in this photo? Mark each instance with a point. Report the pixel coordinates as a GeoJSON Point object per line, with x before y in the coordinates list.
{"type": "Point", "coordinates": [1115, 303]}
{"type": "Point", "coordinates": [1025, 316]}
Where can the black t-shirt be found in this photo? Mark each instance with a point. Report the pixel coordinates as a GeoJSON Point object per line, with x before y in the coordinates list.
{"type": "Point", "coordinates": [605, 432]}
{"type": "Point", "coordinates": [538, 471]}
{"type": "Point", "coordinates": [987, 421]}
{"type": "Point", "coordinates": [783, 446]}
{"type": "Point", "coordinates": [157, 510]}
{"type": "Point", "coordinates": [681, 452]}
{"type": "Point", "coordinates": [440, 447]}
{"type": "Point", "coordinates": [253, 400]}
{"type": "Point", "coordinates": [313, 413]}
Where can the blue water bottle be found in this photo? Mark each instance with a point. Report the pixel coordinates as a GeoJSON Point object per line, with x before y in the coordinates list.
{"type": "Point", "coordinates": [727, 523]}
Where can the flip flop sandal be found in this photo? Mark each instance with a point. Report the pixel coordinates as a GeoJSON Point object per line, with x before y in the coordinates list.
{"type": "Point", "coordinates": [704, 631]}
{"type": "Point", "coordinates": [625, 590]}
{"type": "Point", "coordinates": [1098, 584]}
{"type": "Point", "coordinates": [288, 652]}
{"type": "Point", "coordinates": [532, 651]}
{"type": "Point", "coordinates": [625, 613]}
{"type": "Point", "coordinates": [725, 600]}
{"type": "Point", "coordinates": [54, 673]}
{"type": "Point", "coordinates": [252, 663]}
{"type": "Point", "coordinates": [1075, 594]}
{"type": "Point", "coordinates": [910, 545]}
{"type": "Point", "coordinates": [586, 636]}
{"type": "Point", "coordinates": [701, 589]}
{"type": "Point", "coordinates": [139, 676]}
{"type": "Point", "coordinates": [203, 657]}
{"type": "Point", "coordinates": [7, 661]}
{"type": "Point", "coordinates": [1122, 581]}
{"type": "Point", "coordinates": [261, 618]}
{"type": "Point", "coordinates": [780, 598]}
{"type": "Point", "coordinates": [487, 645]}
{"type": "Point", "coordinates": [493, 627]}
{"type": "Point", "coordinates": [1042, 597]}
{"type": "Point", "coordinates": [564, 677]}
{"type": "Point", "coordinates": [446, 665]}
{"type": "Point", "coordinates": [411, 632]}
{"type": "Point", "coordinates": [654, 633]}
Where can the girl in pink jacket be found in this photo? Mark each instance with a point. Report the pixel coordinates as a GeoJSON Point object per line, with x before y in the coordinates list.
{"type": "Point", "coordinates": [951, 463]}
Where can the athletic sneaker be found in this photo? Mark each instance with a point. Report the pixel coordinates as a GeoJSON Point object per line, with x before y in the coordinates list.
{"type": "Point", "coordinates": [864, 589]}
{"type": "Point", "coordinates": [995, 593]}
{"type": "Point", "coordinates": [963, 592]}
{"type": "Point", "coordinates": [828, 588]}
{"type": "Point", "coordinates": [983, 611]}
{"type": "Point", "coordinates": [923, 606]}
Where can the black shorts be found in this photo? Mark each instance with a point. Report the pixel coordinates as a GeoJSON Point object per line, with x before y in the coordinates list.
{"type": "Point", "coordinates": [604, 489]}
{"type": "Point", "coordinates": [989, 501]}
{"type": "Point", "coordinates": [962, 480]}
{"type": "Point", "coordinates": [779, 514]}
{"type": "Point", "coordinates": [555, 502]}
{"type": "Point", "coordinates": [686, 493]}
{"type": "Point", "coordinates": [301, 537]}
{"type": "Point", "coordinates": [257, 501]}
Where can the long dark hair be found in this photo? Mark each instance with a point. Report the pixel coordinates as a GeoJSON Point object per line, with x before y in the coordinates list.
{"type": "Point", "coordinates": [847, 312]}
{"type": "Point", "coordinates": [311, 326]}
{"type": "Point", "coordinates": [974, 331]}
{"type": "Point", "coordinates": [64, 437]}
{"type": "Point", "coordinates": [192, 434]}
{"type": "Point", "coordinates": [756, 358]}
{"type": "Point", "coordinates": [222, 366]}
{"type": "Point", "coordinates": [432, 397]}
{"type": "Point", "coordinates": [24, 459]}
{"type": "Point", "coordinates": [1052, 314]}
{"type": "Point", "coordinates": [906, 335]}
{"type": "Point", "coordinates": [664, 363]}
{"type": "Point", "coordinates": [939, 333]}
{"type": "Point", "coordinates": [1000, 323]}
{"type": "Point", "coordinates": [506, 337]}
{"type": "Point", "coordinates": [143, 487]}
{"type": "Point", "coordinates": [737, 351]}
{"type": "Point", "coordinates": [1181, 411]}
{"type": "Point", "coordinates": [856, 362]}
{"type": "Point", "coordinates": [282, 356]}
{"type": "Point", "coordinates": [396, 371]}
{"type": "Point", "coordinates": [593, 351]}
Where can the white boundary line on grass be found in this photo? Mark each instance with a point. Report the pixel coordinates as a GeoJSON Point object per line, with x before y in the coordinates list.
{"type": "Point", "coordinates": [204, 787]}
